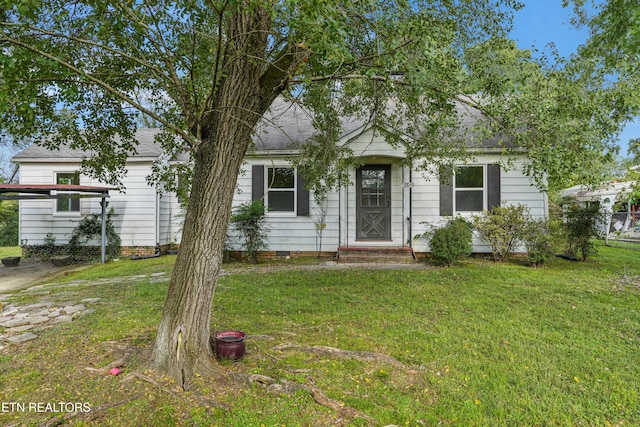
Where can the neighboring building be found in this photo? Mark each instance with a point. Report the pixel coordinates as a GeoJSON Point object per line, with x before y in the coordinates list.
{"type": "Point", "coordinates": [618, 203]}
{"type": "Point", "coordinates": [387, 203]}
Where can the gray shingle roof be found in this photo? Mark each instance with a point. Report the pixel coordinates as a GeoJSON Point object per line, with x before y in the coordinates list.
{"type": "Point", "coordinates": [284, 126]}
{"type": "Point", "coordinates": [146, 148]}
{"type": "Point", "coordinates": [287, 124]}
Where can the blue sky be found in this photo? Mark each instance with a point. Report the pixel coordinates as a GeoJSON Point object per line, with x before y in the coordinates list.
{"type": "Point", "coordinates": [542, 22]}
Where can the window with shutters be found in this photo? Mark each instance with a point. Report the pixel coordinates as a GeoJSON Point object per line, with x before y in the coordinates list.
{"type": "Point", "coordinates": [280, 189]}
{"type": "Point", "coordinates": [469, 188]}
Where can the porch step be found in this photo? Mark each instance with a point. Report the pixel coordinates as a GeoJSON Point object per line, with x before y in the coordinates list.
{"type": "Point", "coordinates": [392, 255]}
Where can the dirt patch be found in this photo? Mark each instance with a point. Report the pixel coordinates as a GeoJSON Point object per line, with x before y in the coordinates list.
{"type": "Point", "coordinates": [29, 272]}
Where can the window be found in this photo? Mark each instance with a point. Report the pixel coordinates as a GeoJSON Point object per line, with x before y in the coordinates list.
{"type": "Point", "coordinates": [372, 188]}
{"type": "Point", "coordinates": [281, 190]}
{"type": "Point", "coordinates": [68, 203]}
{"type": "Point", "coordinates": [469, 188]}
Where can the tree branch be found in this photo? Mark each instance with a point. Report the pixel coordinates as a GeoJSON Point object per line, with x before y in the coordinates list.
{"type": "Point", "coordinates": [100, 83]}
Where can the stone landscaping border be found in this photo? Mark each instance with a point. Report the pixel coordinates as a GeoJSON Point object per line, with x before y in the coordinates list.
{"type": "Point", "coordinates": [19, 322]}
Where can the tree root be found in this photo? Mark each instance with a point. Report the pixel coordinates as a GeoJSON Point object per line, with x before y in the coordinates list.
{"type": "Point", "coordinates": [363, 356]}
{"type": "Point", "coordinates": [103, 371]}
{"type": "Point", "coordinates": [138, 375]}
{"type": "Point", "coordinates": [95, 413]}
{"type": "Point", "coordinates": [289, 388]}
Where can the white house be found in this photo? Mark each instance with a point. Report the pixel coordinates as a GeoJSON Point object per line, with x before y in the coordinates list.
{"type": "Point", "coordinates": [143, 216]}
{"type": "Point", "coordinates": [386, 204]}
{"type": "Point", "coordinates": [618, 203]}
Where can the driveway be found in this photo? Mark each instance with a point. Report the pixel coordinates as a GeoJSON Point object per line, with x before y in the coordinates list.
{"type": "Point", "coordinates": [29, 272]}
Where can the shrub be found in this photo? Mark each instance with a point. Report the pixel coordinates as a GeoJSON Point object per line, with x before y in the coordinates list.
{"type": "Point", "coordinates": [502, 228]}
{"type": "Point", "coordinates": [45, 251]}
{"type": "Point", "coordinates": [90, 228]}
{"type": "Point", "coordinates": [452, 242]}
{"type": "Point", "coordinates": [583, 223]}
{"type": "Point", "coordinates": [248, 219]}
{"type": "Point", "coordinates": [538, 240]}
{"type": "Point", "coordinates": [9, 223]}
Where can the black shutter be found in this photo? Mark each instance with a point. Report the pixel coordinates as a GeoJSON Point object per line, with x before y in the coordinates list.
{"type": "Point", "coordinates": [446, 191]}
{"type": "Point", "coordinates": [493, 186]}
{"type": "Point", "coordinates": [257, 182]}
{"type": "Point", "coordinates": [303, 197]}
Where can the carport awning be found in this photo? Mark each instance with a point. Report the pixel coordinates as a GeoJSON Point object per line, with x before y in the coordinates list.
{"type": "Point", "coordinates": [50, 191]}
{"type": "Point", "coordinates": [55, 191]}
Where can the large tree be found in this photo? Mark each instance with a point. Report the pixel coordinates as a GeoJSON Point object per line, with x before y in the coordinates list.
{"type": "Point", "coordinates": [83, 72]}
{"type": "Point", "coordinates": [612, 51]}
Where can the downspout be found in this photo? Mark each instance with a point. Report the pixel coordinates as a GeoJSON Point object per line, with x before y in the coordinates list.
{"type": "Point", "coordinates": [339, 216]}
{"type": "Point", "coordinates": [157, 219]}
{"type": "Point", "coordinates": [410, 219]}
{"type": "Point", "coordinates": [403, 206]}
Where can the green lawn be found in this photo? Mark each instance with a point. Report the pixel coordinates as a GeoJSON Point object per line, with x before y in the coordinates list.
{"type": "Point", "coordinates": [6, 251]}
{"type": "Point", "coordinates": [476, 345]}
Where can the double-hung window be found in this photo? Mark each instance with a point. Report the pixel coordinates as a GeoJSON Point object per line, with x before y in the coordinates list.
{"type": "Point", "coordinates": [67, 203]}
{"type": "Point", "coordinates": [469, 188]}
{"type": "Point", "coordinates": [281, 189]}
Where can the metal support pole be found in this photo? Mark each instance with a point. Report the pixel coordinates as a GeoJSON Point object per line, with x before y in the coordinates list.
{"type": "Point", "coordinates": [103, 249]}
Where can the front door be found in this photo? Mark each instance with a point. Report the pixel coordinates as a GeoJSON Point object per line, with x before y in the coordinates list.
{"type": "Point", "coordinates": [373, 202]}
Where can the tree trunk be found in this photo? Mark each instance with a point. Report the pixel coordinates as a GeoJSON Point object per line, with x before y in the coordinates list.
{"type": "Point", "coordinates": [182, 346]}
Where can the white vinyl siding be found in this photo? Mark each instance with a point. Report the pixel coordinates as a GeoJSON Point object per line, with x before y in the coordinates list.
{"type": "Point", "coordinates": [135, 210]}
{"type": "Point", "coordinates": [288, 232]}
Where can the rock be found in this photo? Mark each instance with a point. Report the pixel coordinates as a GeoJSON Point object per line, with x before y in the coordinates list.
{"type": "Point", "coordinates": [44, 312]}
{"type": "Point", "coordinates": [10, 311]}
{"type": "Point", "coordinates": [15, 322]}
{"type": "Point", "coordinates": [19, 329]}
{"type": "Point", "coordinates": [90, 300]}
{"type": "Point", "coordinates": [74, 309]}
{"type": "Point", "coordinates": [33, 307]}
{"type": "Point", "coordinates": [37, 320]}
{"type": "Point", "coordinates": [27, 336]}
{"type": "Point", "coordinates": [63, 319]}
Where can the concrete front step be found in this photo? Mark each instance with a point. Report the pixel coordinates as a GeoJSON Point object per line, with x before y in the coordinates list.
{"type": "Point", "coordinates": [394, 255]}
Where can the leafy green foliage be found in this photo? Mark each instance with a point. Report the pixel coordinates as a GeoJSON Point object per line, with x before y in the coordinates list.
{"type": "Point", "coordinates": [452, 242]}
{"type": "Point", "coordinates": [90, 229]}
{"type": "Point", "coordinates": [47, 250]}
{"type": "Point", "coordinates": [538, 240]}
{"type": "Point", "coordinates": [8, 223]}
{"type": "Point", "coordinates": [502, 228]}
{"type": "Point", "coordinates": [249, 220]}
{"type": "Point", "coordinates": [583, 224]}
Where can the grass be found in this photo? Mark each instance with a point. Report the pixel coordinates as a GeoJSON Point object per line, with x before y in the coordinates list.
{"type": "Point", "coordinates": [10, 251]}
{"type": "Point", "coordinates": [479, 344]}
